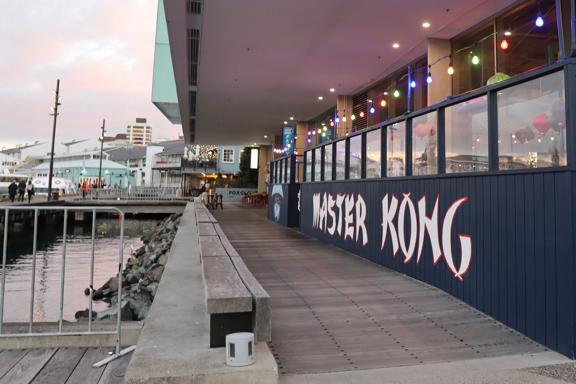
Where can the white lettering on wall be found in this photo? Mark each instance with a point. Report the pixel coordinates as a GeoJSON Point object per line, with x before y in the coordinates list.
{"type": "Point", "coordinates": [346, 214]}
{"type": "Point", "coordinates": [404, 224]}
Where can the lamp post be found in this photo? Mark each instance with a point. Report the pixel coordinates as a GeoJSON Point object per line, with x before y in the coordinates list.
{"type": "Point", "coordinates": [55, 114]}
{"type": "Point", "coordinates": [101, 152]}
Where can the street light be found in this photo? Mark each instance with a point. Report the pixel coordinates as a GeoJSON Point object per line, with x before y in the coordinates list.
{"type": "Point", "coordinates": [101, 152]}
{"type": "Point", "coordinates": [54, 110]}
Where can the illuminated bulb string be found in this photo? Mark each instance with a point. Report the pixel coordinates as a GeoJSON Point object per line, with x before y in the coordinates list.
{"type": "Point", "coordinates": [474, 58]}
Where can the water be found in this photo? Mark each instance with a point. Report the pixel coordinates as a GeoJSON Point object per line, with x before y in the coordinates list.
{"type": "Point", "coordinates": [49, 265]}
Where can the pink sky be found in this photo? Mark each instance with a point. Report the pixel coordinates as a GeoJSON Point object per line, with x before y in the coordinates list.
{"type": "Point", "coordinates": [102, 51]}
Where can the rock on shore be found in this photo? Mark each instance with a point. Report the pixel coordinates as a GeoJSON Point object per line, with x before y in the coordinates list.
{"type": "Point", "coordinates": [140, 277]}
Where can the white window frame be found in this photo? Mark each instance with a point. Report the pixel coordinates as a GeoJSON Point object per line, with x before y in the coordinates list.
{"type": "Point", "coordinates": [224, 156]}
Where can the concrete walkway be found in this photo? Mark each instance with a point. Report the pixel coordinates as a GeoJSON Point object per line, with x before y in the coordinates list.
{"type": "Point", "coordinates": [339, 318]}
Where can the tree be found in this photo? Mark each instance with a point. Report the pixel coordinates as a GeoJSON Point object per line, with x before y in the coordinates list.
{"type": "Point", "coordinates": [246, 178]}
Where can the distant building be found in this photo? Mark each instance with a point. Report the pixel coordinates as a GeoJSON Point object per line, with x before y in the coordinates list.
{"type": "Point", "coordinates": [139, 133]}
{"type": "Point", "coordinates": [88, 169]}
{"type": "Point", "coordinates": [119, 140]}
{"type": "Point", "coordinates": [134, 158]}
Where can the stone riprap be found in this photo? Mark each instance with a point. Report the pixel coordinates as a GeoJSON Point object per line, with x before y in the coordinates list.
{"type": "Point", "coordinates": [140, 276]}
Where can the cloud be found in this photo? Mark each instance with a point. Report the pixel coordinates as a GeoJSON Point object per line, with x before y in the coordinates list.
{"type": "Point", "coordinates": [102, 50]}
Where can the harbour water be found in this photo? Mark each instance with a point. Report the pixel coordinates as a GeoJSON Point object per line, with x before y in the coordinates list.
{"type": "Point", "coordinates": [49, 259]}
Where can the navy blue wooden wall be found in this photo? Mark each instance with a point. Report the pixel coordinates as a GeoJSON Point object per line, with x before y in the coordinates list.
{"type": "Point", "coordinates": [521, 224]}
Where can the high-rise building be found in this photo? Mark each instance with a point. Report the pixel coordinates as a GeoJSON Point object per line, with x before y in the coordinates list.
{"type": "Point", "coordinates": [139, 133]}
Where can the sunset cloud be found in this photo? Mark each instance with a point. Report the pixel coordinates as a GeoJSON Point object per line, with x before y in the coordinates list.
{"type": "Point", "coordinates": [102, 51]}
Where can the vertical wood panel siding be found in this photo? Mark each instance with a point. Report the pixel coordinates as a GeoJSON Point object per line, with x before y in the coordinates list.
{"type": "Point", "coordinates": [522, 227]}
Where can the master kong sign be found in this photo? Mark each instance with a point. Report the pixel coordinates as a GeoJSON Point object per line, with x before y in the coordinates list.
{"type": "Point", "coordinates": [405, 224]}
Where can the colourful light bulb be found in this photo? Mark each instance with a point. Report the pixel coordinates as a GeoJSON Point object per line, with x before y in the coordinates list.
{"type": "Point", "coordinates": [429, 78]}
{"type": "Point", "coordinates": [539, 22]}
{"type": "Point", "coordinates": [383, 103]}
{"type": "Point", "coordinates": [372, 110]}
{"type": "Point", "coordinates": [353, 117]}
{"type": "Point", "coordinates": [361, 114]}
{"type": "Point", "coordinates": [344, 118]}
{"type": "Point", "coordinates": [337, 120]}
{"type": "Point", "coordinates": [412, 84]}
{"type": "Point", "coordinates": [504, 45]}
{"type": "Point", "coordinates": [475, 60]}
{"type": "Point", "coordinates": [331, 123]}
{"type": "Point", "coordinates": [396, 93]}
{"type": "Point", "coordinates": [450, 69]}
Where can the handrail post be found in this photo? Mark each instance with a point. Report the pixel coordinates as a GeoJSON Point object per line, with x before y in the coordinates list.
{"type": "Point", "coordinates": [33, 283]}
{"type": "Point", "coordinates": [63, 270]}
{"type": "Point", "coordinates": [4, 246]}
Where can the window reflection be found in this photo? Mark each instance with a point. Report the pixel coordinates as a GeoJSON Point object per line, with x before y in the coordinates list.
{"type": "Point", "coordinates": [396, 148]}
{"type": "Point", "coordinates": [355, 157]}
{"type": "Point", "coordinates": [317, 163]}
{"type": "Point", "coordinates": [532, 124]}
{"type": "Point", "coordinates": [373, 160]}
{"type": "Point", "coordinates": [288, 170]}
{"type": "Point", "coordinates": [340, 159]}
{"type": "Point", "coordinates": [328, 162]}
{"type": "Point", "coordinates": [467, 136]}
{"type": "Point", "coordinates": [309, 166]}
{"type": "Point", "coordinates": [425, 144]}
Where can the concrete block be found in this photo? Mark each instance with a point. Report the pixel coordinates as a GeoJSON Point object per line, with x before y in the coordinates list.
{"type": "Point", "coordinates": [225, 291]}
{"type": "Point", "coordinates": [211, 246]}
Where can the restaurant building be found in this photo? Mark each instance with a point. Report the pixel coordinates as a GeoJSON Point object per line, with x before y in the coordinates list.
{"type": "Point", "coordinates": [436, 139]}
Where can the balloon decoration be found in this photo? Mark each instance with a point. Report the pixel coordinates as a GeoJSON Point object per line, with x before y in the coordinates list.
{"type": "Point", "coordinates": [541, 122]}
{"type": "Point", "coordinates": [497, 77]}
{"type": "Point", "coordinates": [423, 130]}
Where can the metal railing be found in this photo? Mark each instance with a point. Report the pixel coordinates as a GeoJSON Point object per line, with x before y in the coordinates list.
{"type": "Point", "coordinates": [117, 332]}
{"type": "Point", "coordinates": [136, 193]}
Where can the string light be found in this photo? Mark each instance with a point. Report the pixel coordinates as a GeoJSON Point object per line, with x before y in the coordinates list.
{"type": "Point", "coordinates": [429, 77]}
{"type": "Point", "coordinates": [353, 117]}
{"type": "Point", "coordinates": [475, 60]}
{"type": "Point", "coordinates": [337, 120]}
{"type": "Point", "coordinates": [319, 130]}
{"type": "Point", "coordinates": [450, 69]}
{"type": "Point", "coordinates": [413, 84]}
{"type": "Point", "coordinates": [361, 114]}
{"type": "Point", "coordinates": [504, 45]}
{"type": "Point", "coordinates": [325, 129]}
{"type": "Point", "coordinates": [372, 110]}
{"type": "Point", "coordinates": [396, 93]}
{"type": "Point", "coordinates": [539, 22]}
{"type": "Point", "coordinates": [344, 118]}
{"type": "Point", "coordinates": [331, 123]}
{"type": "Point", "coordinates": [383, 102]}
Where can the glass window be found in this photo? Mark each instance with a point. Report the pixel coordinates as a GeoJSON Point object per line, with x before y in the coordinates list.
{"type": "Point", "coordinates": [288, 169]}
{"type": "Point", "coordinates": [532, 124]}
{"type": "Point", "coordinates": [527, 46]}
{"type": "Point", "coordinates": [355, 157]}
{"type": "Point", "coordinates": [396, 149]}
{"type": "Point", "coordinates": [328, 162]}
{"type": "Point", "coordinates": [317, 163]}
{"type": "Point", "coordinates": [281, 171]}
{"type": "Point", "coordinates": [228, 156]}
{"type": "Point", "coordinates": [275, 168]}
{"type": "Point", "coordinates": [340, 159]}
{"type": "Point", "coordinates": [467, 136]}
{"type": "Point", "coordinates": [425, 144]}
{"type": "Point", "coordinates": [373, 160]}
{"type": "Point", "coordinates": [473, 59]}
{"type": "Point", "coordinates": [309, 166]}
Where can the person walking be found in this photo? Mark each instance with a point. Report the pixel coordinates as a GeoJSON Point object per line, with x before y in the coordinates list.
{"type": "Point", "coordinates": [30, 191]}
{"type": "Point", "coordinates": [83, 189]}
{"type": "Point", "coordinates": [21, 190]}
{"type": "Point", "coordinates": [12, 190]}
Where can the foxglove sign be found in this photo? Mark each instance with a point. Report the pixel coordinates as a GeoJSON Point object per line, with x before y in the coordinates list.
{"type": "Point", "coordinates": [345, 216]}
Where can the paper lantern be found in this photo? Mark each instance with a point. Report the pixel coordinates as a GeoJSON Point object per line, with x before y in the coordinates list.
{"type": "Point", "coordinates": [541, 122]}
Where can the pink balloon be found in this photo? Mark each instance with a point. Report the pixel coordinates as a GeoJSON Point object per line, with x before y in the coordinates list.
{"type": "Point", "coordinates": [422, 130]}
{"type": "Point", "coordinates": [541, 122]}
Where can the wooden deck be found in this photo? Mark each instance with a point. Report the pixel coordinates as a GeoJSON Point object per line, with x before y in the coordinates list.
{"type": "Point", "coordinates": [59, 366]}
{"type": "Point", "coordinates": [334, 311]}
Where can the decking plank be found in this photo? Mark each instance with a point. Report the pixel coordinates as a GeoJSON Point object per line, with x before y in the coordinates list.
{"type": "Point", "coordinates": [60, 366]}
{"type": "Point", "coordinates": [9, 358]}
{"type": "Point", "coordinates": [28, 367]}
{"type": "Point", "coordinates": [115, 370]}
{"type": "Point", "coordinates": [84, 373]}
